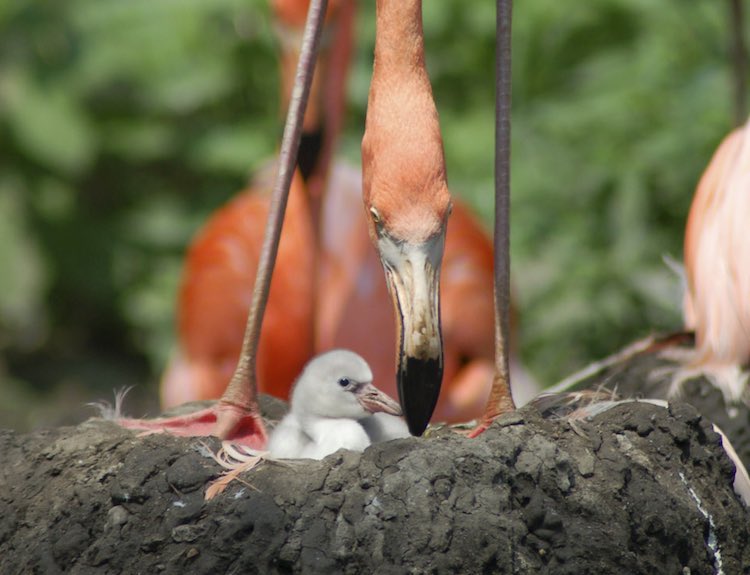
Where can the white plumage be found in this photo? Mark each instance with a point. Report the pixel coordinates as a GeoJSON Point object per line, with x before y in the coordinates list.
{"type": "Point", "coordinates": [335, 406]}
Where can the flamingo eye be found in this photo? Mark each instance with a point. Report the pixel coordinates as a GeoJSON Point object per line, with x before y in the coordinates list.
{"type": "Point", "coordinates": [344, 382]}
{"type": "Point", "coordinates": [375, 215]}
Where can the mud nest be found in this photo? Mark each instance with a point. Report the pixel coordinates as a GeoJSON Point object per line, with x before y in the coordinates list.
{"type": "Point", "coordinates": [638, 489]}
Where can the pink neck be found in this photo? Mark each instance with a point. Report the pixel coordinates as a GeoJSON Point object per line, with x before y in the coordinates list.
{"type": "Point", "coordinates": [400, 41]}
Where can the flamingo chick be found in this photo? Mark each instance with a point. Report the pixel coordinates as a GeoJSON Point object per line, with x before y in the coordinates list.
{"type": "Point", "coordinates": [332, 401]}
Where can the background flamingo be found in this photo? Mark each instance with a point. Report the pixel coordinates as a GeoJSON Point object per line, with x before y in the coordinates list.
{"type": "Point", "coordinates": [717, 266]}
{"type": "Point", "coordinates": [708, 365]}
{"type": "Point", "coordinates": [325, 210]}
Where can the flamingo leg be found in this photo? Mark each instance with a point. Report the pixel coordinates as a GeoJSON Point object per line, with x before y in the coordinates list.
{"type": "Point", "coordinates": [236, 416]}
{"type": "Point", "coordinates": [501, 400]}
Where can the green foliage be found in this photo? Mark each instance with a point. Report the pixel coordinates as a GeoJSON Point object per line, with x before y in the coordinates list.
{"type": "Point", "coordinates": [123, 124]}
{"type": "Point", "coordinates": [619, 106]}
{"type": "Point", "coordinates": [22, 282]}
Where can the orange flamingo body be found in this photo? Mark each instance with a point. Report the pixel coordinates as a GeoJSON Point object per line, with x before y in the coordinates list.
{"type": "Point", "coordinates": [230, 245]}
{"type": "Point", "coordinates": [222, 260]}
{"type": "Point", "coordinates": [215, 297]}
{"type": "Point", "coordinates": [352, 309]}
{"type": "Point", "coordinates": [328, 288]}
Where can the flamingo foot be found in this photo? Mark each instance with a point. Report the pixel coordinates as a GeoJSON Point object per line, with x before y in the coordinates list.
{"type": "Point", "coordinates": [473, 429]}
{"type": "Point", "coordinates": [479, 429]}
{"type": "Point", "coordinates": [499, 403]}
{"type": "Point", "coordinates": [228, 422]}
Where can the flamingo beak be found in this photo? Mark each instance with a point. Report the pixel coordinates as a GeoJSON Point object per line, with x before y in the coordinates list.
{"type": "Point", "coordinates": [373, 400]}
{"type": "Point", "coordinates": [413, 274]}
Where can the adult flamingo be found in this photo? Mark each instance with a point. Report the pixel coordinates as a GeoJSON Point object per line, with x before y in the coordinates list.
{"type": "Point", "coordinates": [407, 205]}
{"type": "Point", "coordinates": [222, 261]}
{"type": "Point", "coordinates": [708, 368]}
{"type": "Point", "coordinates": [324, 238]}
{"type": "Point", "coordinates": [236, 416]}
{"type": "Point", "coordinates": [717, 267]}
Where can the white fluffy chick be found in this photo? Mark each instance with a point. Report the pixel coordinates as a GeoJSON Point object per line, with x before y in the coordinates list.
{"type": "Point", "coordinates": [334, 405]}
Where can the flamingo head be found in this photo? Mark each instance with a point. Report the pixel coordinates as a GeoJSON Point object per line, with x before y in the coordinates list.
{"type": "Point", "coordinates": [407, 201]}
{"type": "Point", "coordinates": [338, 384]}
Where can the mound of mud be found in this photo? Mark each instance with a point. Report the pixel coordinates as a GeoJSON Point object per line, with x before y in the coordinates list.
{"type": "Point", "coordinates": [635, 490]}
{"type": "Point", "coordinates": [646, 370]}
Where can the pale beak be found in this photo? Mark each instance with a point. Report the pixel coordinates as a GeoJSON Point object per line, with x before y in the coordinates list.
{"type": "Point", "coordinates": [373, 400]}
{"type": "Point", "coordinates": [413, 275]}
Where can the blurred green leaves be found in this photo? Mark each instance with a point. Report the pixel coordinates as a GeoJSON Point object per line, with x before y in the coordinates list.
{"type": "Point", "coordinates": [618, 106]}
{"type": "Point", "coordinates": [48, 124]}
{"type": "Point", "coordinates": [22, 274]}
{"type": "Point", "coordinates": [124, 124]}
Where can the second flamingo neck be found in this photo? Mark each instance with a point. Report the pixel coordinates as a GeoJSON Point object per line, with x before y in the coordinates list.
{"type": "Point", "coordinates": [400, 40]}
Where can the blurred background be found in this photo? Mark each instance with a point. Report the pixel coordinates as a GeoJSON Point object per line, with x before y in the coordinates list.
{"type": "Point", "coordinates": [124, 124]}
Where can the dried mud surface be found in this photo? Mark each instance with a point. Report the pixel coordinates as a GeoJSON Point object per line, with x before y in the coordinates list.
{"type": "Point", "coordinates": [650, 374]}
{"type": "Point", "coordinates": [635, 490]}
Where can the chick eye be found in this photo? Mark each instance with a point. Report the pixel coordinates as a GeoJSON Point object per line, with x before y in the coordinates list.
{"type": "Point", "coordinates": [344, 382]}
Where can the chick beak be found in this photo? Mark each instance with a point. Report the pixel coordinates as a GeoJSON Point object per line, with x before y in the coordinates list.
{"type": "Point", "coordinates": [373, 400]}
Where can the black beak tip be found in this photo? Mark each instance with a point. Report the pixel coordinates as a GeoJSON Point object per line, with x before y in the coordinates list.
{"type": "Point", "coordinates": [418, 390]}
